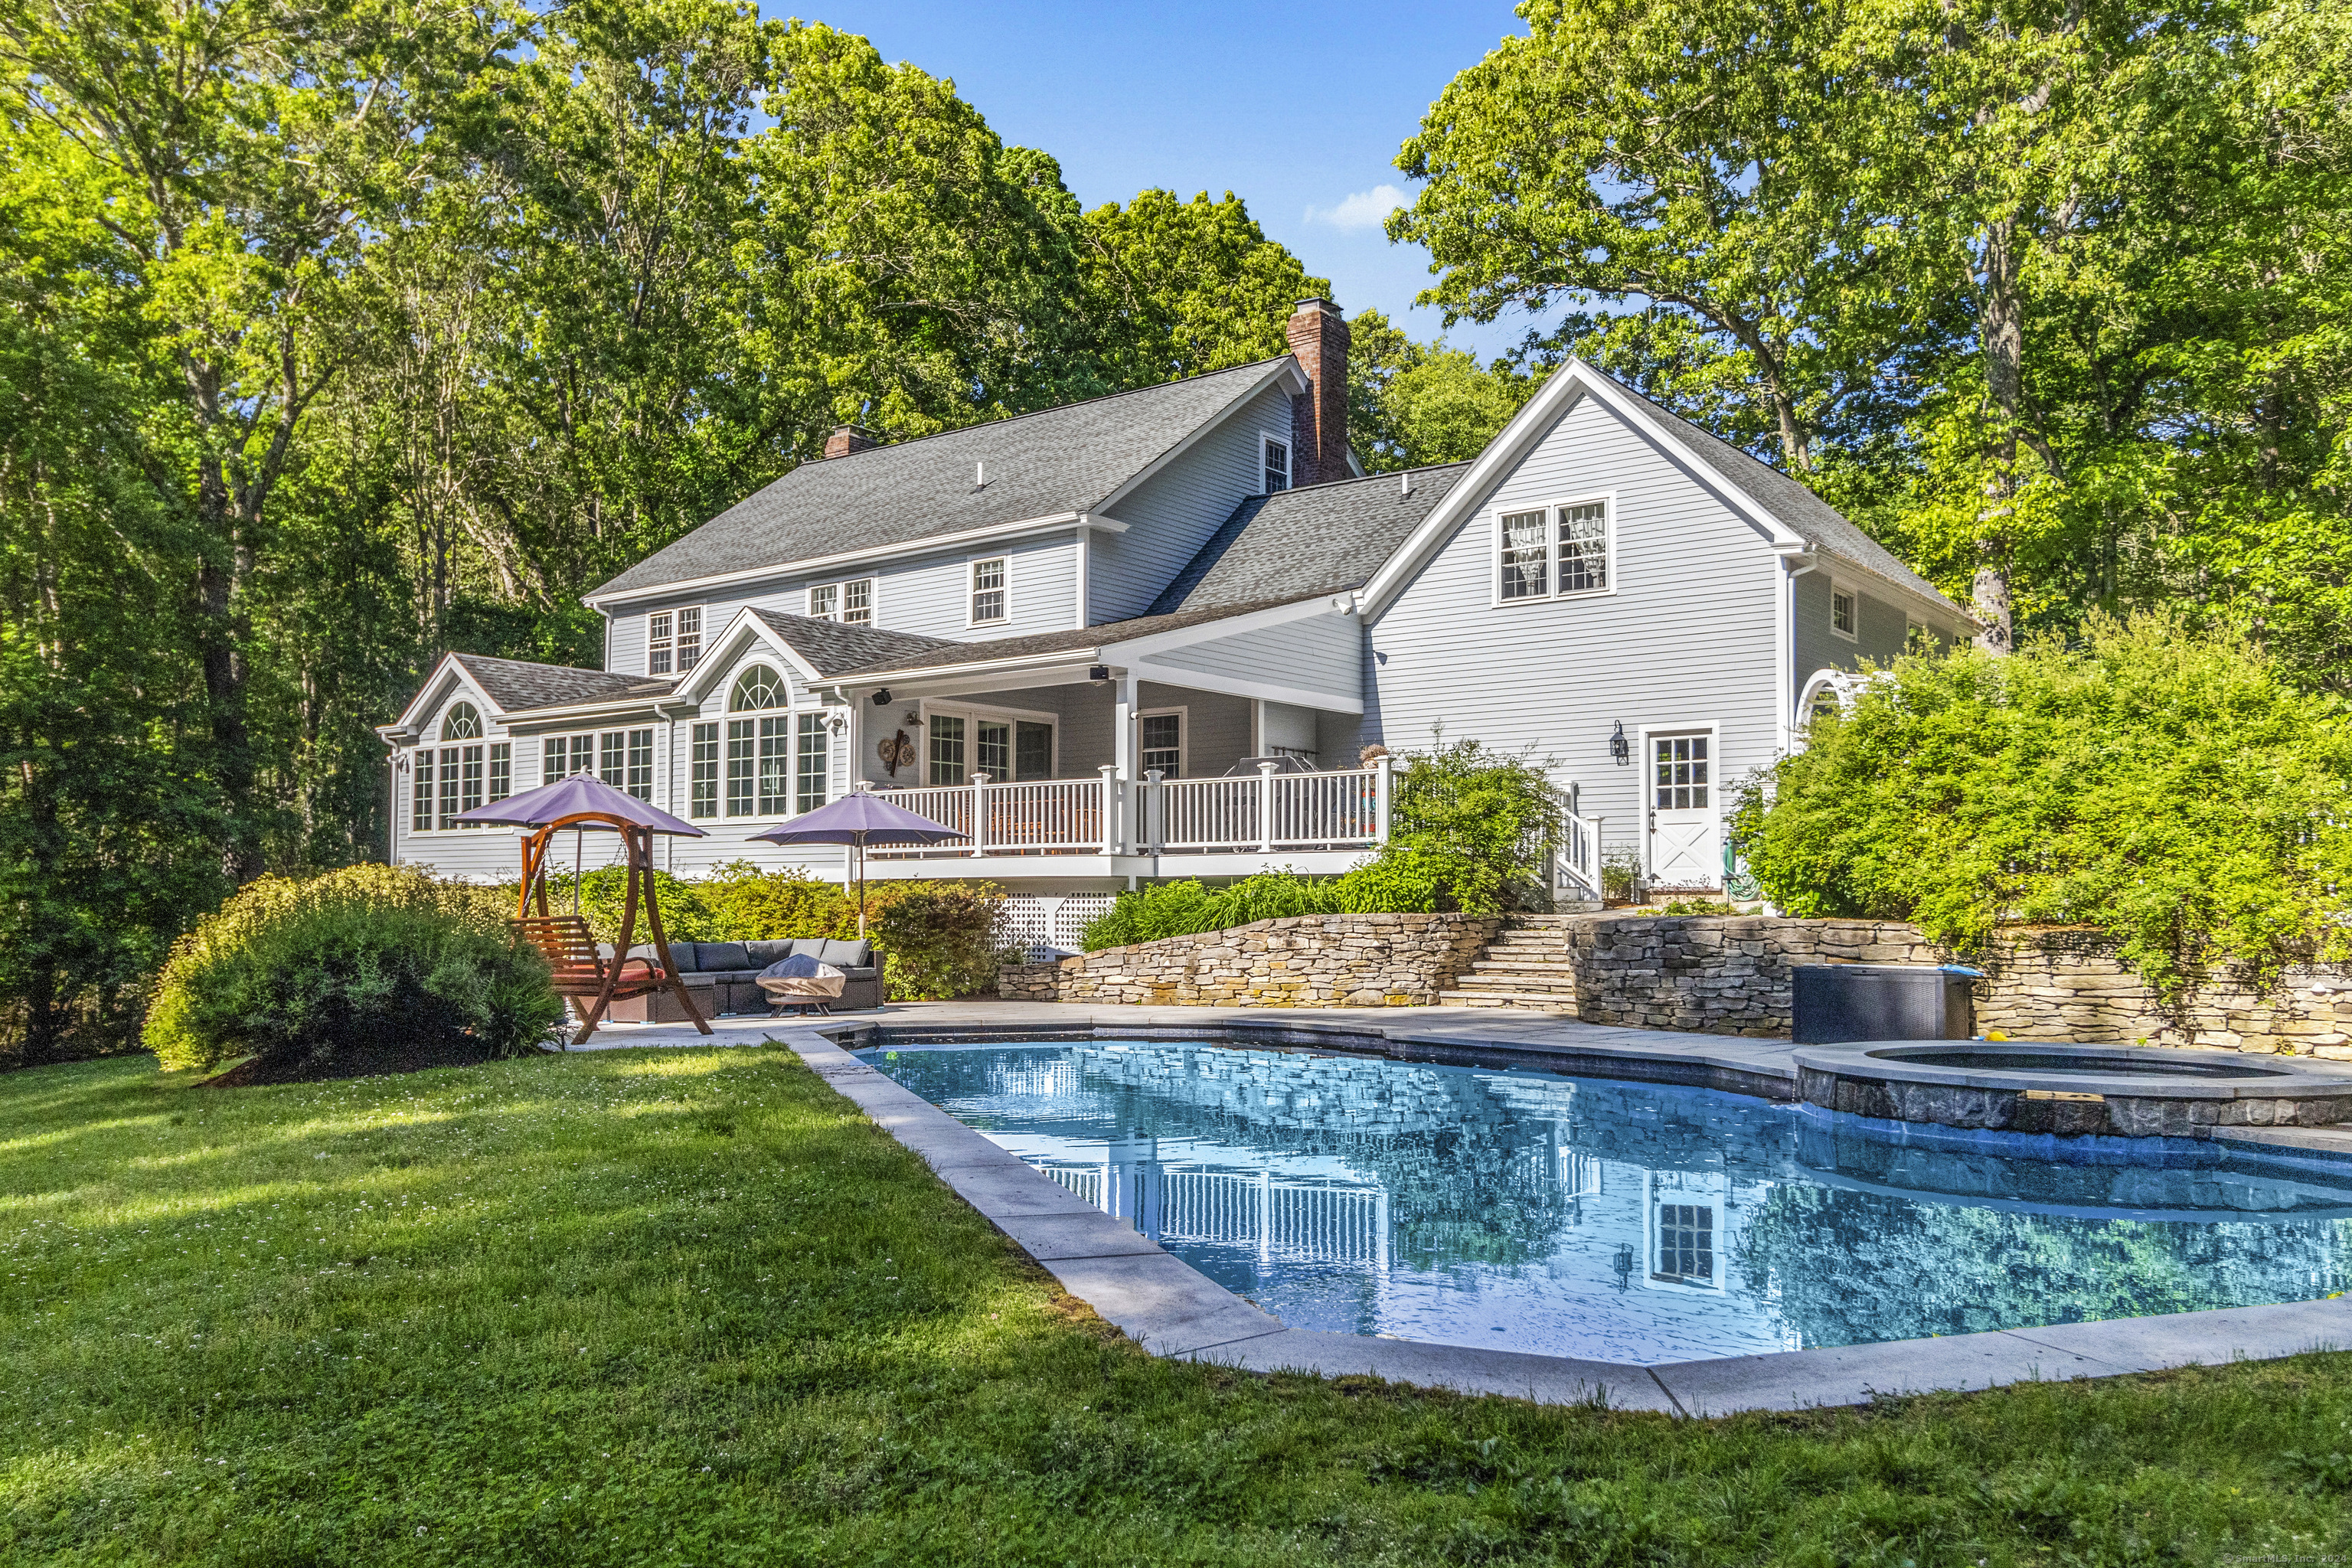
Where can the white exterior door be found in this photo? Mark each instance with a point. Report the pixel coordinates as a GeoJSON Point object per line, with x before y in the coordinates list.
{"type": "Point", "coordinates": [1686, 827]}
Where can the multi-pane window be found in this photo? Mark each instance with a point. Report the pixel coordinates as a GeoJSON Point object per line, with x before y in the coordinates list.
{"type": "Point", "coordinates": [756, 688]}
{"type": "Point", "coordinates": [1681, 764]}
{"type": "Point", "coordinates": [742, 764]}
{"type": "Point", "coordinates": [775, 764]}
{"type": "Point", "coordinates": [992, 749]}
{"type": "Point", "coordinates": [1583, 548]}
{"type": "Point", "coordinates": [813, 767]}
{"type": "Point", "coordinates": [502, 770]}
{"type": "Point", "coordinates": [560, 756]}
{"type": "Point", "coordinates": [1277, 465]}
{"type": "Point", "coordinates": [702, 785]}
{"type": "Point", "coordinates": [469, 779]}
{"type": "Point", "coordinates": [1686, 1242]}
{"type": "Point", "coordinates": [1160, 738]}
{"type": "Point", "coordinates": [1527, 555]}
{"type": "Point", "coordinates": [625, 761]}
{"type": "Point", "coordinates": [661, 641]}
{"type": "Point", "coordinates": [988, 590]}
{"type": "Point", "coordinates": [448, 813]}
{"type": "Point", "coordinates": [464, 723]}
{"type": "Point", "coordinates": [947, 750]}
{"type": "Point", "coordinates": [689, 638]}
{"type": "Point", "coordinates": [850, 603]}
{"type": "Point", "coordinates": [1842, 616]}
{"type": "Point", "coordinates": [420, 793]}
{"type": "Point", "coordinates": [1552, 551]}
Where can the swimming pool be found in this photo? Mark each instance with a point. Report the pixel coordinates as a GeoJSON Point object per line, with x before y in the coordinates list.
{"type": "Point", "coordinates": [1627, 1222]}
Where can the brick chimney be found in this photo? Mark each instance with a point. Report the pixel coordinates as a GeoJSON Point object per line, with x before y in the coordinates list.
{"type": "Point", "coordinates": [1319, 416]}
{"type": "Point", "coordinates": [848, 438]}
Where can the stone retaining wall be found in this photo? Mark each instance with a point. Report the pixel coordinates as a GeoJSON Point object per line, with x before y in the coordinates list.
{"type": "Point", "coordinates": [1301, 961]}
{"type": "Point", "coordinates": [1730, 975]}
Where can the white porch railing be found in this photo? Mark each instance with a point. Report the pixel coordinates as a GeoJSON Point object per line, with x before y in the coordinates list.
{"type": "Point", "coordinates": [1268, 813]}
{"type": "Point", "coordinates": [1579, 855]}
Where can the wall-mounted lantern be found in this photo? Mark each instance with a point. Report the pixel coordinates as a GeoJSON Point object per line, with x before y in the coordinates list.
{"type": "Point", "coordinates": [1620, 747]}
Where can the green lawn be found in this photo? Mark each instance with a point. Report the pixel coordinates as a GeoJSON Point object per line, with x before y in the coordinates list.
{"type": "Point", "coordinates": [687, 1307]}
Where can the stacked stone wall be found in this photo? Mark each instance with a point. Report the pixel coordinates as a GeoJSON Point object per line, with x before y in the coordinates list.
{"type": "Point", "coordinates": [1300, 960]}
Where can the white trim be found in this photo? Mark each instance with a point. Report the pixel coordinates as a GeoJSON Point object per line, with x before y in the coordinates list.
{"type": "Point", "coordinates": [971, 591]}
{"type": "Point", "coordinates": [674, 611]}
{"type": "Point", "coordinates": [724, 651]}
{"type": "Point", "coordinates": [1102, 652]}
{"type": "Point", "coordinates": [973, 713]}
{"type": "Point", "coordinates": [1260, 690]}
{"type": "Point", "coordinates": [1082, 554]}
{"type": "Point", "coordinates": [431, 697]}
{"type": "Point", "coordinates": [1553, 512]}
{"type": "Point", "coordinates": [1840, 585]}
{"type": "Point", "coordinates": [820, 564]}
{"type": "Point", "coordinates": [1289, 461]}
{"type": "Point", "coordinates": [1183, 713]}
{"type": "Point", "coordinates": [1284, 370]}
{"type": "Point", "coordinates": [839, 615]}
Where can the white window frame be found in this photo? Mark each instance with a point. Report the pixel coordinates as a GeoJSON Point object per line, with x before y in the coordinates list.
{"type": "Point", "coordinates": [1913, 628]}
{"type": "Point", "coordinates": [1003, 590]}
{"type": "Point", "coordinates": [1183, 713]}
{"type": "Point", "coordinates": [1840, 586]}
{"type": "Point", "coordinates": [972, 714]}
{"type": "Point", "coordinates": [1289, 459]}
{"type": "Point", "coordinates": [840, 586]}
{"type": "Point", "coordinates": [1553, 510]}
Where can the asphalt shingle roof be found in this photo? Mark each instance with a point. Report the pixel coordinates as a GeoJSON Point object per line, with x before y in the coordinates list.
{"type": "Point", "coordinates": [516, 685]}
{"type": "Point", "coordinates": [1079, 640]}
{"type": "Point", "coordinates": [1318, 539]}
{"type": "Point", "coordinates": [1787, 500]}
{"type": "Point", "coordinates": [832, 648]}
{"type": "Point", "coordinates": [1059, 459]}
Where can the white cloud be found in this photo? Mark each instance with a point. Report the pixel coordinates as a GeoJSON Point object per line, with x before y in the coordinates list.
{"type": "Point", "coordinates": [1365, 209]}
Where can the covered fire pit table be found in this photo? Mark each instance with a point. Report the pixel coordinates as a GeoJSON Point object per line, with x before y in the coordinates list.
{"type": "Point", "coordinates": [802, 981]}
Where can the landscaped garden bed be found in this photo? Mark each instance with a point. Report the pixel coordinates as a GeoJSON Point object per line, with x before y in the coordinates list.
{"type": "Point", "coordinates": [688, 1306]}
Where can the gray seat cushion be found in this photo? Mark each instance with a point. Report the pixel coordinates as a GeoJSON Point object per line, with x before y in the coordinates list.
{"type": "Point", "coordinates": [764, 954]}
{"type": "Point", "coordinates": [720, 956]}
{"type": "Point", "coordinates": [681, 954]}
{"type": "Point", "coordinates": [852, 954]}
{"type": "Point", "coordinates": [810, 946]}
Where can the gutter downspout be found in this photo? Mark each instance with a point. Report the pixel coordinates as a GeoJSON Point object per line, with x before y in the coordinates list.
{"type": "Point", "coordinates": [1784, 651]}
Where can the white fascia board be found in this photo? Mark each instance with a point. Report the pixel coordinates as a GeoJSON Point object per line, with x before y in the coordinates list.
{"type": "Point", "coordinates": [432, 694]}
{"type": "Point", "coordinates": [871, 552]}
{"type": "Point", "coordinates": [1286, 371]}
{"type": "Point", "coordinates": [563, 715]}
{"type": "Point", "coordinates": [1028, 679]}
{"type": "Point", "coordinates": [1128, 650]}
{"type": "Point", "coordinates": [745, 627]}
{"type": "Point", "coordinates": [1232, 686]}
{"type": "Point", "coordinates": [903, 677]}
{"type": "Point", "coordinates": [1813, 553]}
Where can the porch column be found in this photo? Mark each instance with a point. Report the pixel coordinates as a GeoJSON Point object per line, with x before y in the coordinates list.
{"type": "Point", "coordinates": [1382, 784]}
{"type": "Point", "coordinates": [1111, 808]}
{"type": "Point", "coordinates": [979, 814]}
{"type": "Point", "coordinates": [1123, 750]}
{"type": "Point", "coordinates": [1266, 808]}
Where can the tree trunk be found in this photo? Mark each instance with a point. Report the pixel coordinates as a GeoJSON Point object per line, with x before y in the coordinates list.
{"type": "Point", "coordinates": [225, 676]}
{"type": "Point", "coordinates": [2003, 325]}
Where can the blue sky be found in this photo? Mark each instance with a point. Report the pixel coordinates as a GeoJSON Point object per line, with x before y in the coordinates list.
{"type": "Point", "coordinates": [1298, 108]}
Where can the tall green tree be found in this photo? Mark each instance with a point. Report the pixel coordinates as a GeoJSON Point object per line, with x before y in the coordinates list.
{"type": "Point", "coordinates": [1410, 404]}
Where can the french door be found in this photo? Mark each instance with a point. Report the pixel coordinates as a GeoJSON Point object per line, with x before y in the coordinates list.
{"type": "Point", "coordinates": [1686, 822]}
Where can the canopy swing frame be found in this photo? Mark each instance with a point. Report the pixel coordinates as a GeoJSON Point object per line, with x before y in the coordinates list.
{"type": "Point", "coordinates": [637, 854]}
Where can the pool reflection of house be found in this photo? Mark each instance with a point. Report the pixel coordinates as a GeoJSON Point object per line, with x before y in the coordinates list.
{"type": "Point", "coordinates": [1337, 1186]}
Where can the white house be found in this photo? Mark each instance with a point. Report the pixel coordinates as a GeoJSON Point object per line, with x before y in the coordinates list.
{"type": "Point", "coordinates": [1150, 636]}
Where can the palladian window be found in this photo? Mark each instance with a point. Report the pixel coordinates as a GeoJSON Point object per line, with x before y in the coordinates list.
{"type": "Point", "coordinates": [759, 749]}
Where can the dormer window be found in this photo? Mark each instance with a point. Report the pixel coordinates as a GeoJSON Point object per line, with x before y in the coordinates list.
{"type": "Point", "coordinates": [673, 640]}
{"type": "Point", "coordinates": [1277, 456]}
{"type": "Point", "coordinates": [988, 591]}
{"type": "Point", "coordinates": [850, 603]}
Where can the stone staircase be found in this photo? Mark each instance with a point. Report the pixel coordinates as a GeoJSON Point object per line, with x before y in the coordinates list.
{"type": "Point", "coordinates": [1525, 966]}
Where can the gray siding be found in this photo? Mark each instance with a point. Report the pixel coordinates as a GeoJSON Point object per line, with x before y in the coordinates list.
{"type": "Point", "coordinates": [1172, 514]}
{"type": "Point", "coordinates": [1684, 639]}
{"type": "Point", "coordinates": [1318, 653]}
{"type": "Point", "coordinates": [925, 592]}
{"type": "Point", "coordinates": [1879, 624]}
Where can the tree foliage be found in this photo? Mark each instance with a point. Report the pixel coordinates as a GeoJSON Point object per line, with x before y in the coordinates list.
{"type": "Point", "coordinates": [2171, 787]}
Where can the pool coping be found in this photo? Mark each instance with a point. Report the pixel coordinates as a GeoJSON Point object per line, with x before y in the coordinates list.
{"type": "Point", "coordinates": [1172, 1310]}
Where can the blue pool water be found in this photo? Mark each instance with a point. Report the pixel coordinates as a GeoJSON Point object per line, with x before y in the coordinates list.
{"type": "Point", "coordinates": [1627, 1222]}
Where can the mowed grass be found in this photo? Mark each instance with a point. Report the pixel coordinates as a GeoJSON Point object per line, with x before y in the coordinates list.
{"type": "Point", "coordinates": [689, 1307]}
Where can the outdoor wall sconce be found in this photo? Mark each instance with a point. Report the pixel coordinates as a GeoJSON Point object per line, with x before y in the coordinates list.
{"type": "Point", "coordinates": [882, 698]}
{"type": "Point", "coordinates": [914, 719]}
{"type": "Point", "coordinates": [1620, 747]}
{"type": "Point", "coordinates": [1099, 674]}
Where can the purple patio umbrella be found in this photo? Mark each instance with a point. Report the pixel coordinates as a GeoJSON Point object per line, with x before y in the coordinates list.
{"type": "Point", "coordinates": [577, 803]}
{"type": "Point", "coordinates": [858, 819]}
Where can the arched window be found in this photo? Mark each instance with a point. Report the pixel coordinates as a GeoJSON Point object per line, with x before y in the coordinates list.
{"type": "Point", "coordinates": [462, 724]}
{"type": "Point", "coordinates": [757, 688]}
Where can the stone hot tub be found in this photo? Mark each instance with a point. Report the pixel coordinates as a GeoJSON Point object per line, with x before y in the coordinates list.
{"type": "Point", "coordinates": [2121, 1091]}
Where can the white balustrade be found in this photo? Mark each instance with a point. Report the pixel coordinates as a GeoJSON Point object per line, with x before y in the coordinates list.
{"type": "Point", "coordinates": [1579, 852]}
{"type": "Point", "coordinates": [1266, 812]}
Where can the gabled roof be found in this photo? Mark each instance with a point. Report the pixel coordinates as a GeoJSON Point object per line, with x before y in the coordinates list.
{"type": "Point", "coordinates": [1784, 498]}
{"type": "Point", "coordinates": [1083, 639]}
{"type": "Point", "coordinates": [830, 648]}
{"type": "Point", "coordinates": [516, 685]}
{"type": "Point", "coordinates": [1057, 462]}
{"type": "Point", "coordinates": [1317, 539]}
